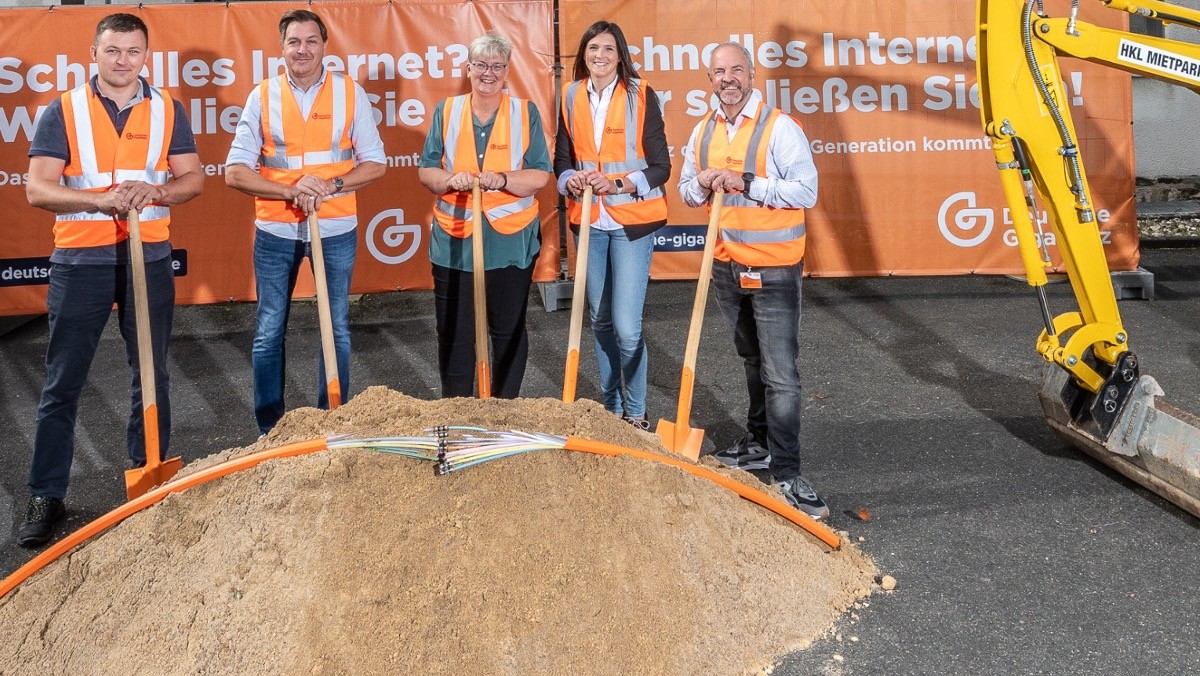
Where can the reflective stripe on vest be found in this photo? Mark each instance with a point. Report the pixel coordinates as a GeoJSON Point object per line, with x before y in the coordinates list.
{"type": "Point", "coordinates": [751, 233]}
{"type": "Point", "coordinates": [294, 145]}
{"type": "Point", "coordinates": [101, 160]}
{"type": "Point", "coordinates": [507, 213]}
{"type": "Point", "coordinates": [620, 152]}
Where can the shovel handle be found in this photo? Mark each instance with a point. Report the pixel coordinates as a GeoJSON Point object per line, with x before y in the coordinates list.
{"type": "Point", "coordinates": [578, 298]}
{"type": "Point", "coordinates": [141, 315]}
{"type": "Point", "coordinates": [333, 384]}
{"type": "Point", "coordinates": [684, 410]}
{"type": "Point", "coordinates": [478, 274]}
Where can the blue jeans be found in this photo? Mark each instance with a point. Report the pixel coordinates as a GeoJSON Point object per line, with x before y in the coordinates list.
{"type": "Point", "coordinates": [617, 274]}
{"type": "Point", "coordinates": [766, 333]}
{"type": "Point", "coordinates": [276, 264]}
{"type": "Point", "coordinates": [79, 304]}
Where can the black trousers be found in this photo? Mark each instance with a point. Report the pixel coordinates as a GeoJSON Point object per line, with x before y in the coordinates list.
{"type": "Point", "coordinates": [507, 299]}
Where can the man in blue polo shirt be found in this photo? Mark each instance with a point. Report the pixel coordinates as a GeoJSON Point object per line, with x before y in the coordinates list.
{"type": "Point", "coordinates": [108, 146]}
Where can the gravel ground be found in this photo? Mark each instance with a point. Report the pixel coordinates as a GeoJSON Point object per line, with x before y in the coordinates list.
{"type": "Point", "coordinates": [1168, 228]}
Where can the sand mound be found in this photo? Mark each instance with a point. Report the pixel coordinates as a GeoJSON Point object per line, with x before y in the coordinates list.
{"type": "Point", "coordinates": [350, 561]}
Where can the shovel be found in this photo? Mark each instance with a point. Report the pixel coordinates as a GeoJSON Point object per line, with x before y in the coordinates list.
{"type": "Point", "coordinates": [156, 471]}
{"type": "Point", "coordinates": [333, 385]}
{"type": "Point", "coordinates": [678, 437]}
{"type": "Point", "coordinates": [578, 299]}
{"type": "Point", "coordinates": [482, 370]}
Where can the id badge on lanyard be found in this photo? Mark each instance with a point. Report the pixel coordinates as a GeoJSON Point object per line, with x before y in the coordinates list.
{"type": "Point", "coordinates": [749, 279]}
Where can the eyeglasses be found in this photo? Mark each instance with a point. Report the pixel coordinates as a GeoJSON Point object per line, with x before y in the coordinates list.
{"type": "Point", "coordinates": [482, 67]}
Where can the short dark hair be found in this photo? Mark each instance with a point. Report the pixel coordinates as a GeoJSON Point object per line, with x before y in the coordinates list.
{"type": "Point", "coordinates": [302, 16]}
{"type": "Point", "coordinates": [122, 23]}
{"type": "Point", "coordinates": [625, 71]}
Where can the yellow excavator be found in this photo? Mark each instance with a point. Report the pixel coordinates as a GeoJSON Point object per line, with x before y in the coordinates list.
{"type": "Point", "coordinates": [1093, 393]}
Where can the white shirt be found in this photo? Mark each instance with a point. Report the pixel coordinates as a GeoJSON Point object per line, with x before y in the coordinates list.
{"type": "Point", "coordinates": [248, 142]}
{"type": "Point", "coordinates": [791, 180]}
{"type": "Point", "coordinates": [599, 103]}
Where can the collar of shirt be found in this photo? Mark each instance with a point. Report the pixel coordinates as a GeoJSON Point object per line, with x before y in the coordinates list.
{"type": "Point", "coordinates": [605, 93]}
{"type": "Point", "coordinates": [748, 112]}
{"type": "Point", "coordinates": [314, 87]}
{"type": "Point", "coordinates": [142, 94]}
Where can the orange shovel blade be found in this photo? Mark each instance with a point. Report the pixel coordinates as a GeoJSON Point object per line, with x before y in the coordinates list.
{"type": "Point", "coordinates": [140, 480]}
{"type": "Point", "coordinates": [683, 441]}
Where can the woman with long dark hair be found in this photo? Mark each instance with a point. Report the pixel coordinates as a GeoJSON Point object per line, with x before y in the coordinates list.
{"type": "Point", "coordinates": [610, 136]}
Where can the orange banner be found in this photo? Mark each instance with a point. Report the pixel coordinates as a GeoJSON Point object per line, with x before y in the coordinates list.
{"type": "Point", "coordinates": [884, 90]}
{"type": "Point", "coordinates": [886, 93]}
{"type": "Point", "coordinates": [407, 54]}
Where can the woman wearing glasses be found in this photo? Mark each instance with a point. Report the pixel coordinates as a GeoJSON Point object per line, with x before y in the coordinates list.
{"type": "Point", "coordinates": [610, 136]}
{"type": "Point", "coordinates": [497, 139]}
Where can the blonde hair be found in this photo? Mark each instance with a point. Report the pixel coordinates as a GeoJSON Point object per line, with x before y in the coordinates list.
{"type": "Point", "coordinates": [490, 44]}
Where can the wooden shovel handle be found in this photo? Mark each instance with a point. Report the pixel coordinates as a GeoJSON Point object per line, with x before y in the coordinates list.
{"type": "Point", "coordinates": [333, 384]}
{"type": "Point", "coordinates": [482, 370]}
{"type": "Point", "coordinates": [578, 299]}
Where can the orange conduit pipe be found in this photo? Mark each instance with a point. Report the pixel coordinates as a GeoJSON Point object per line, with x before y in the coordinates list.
{"type": "Point", "coordinates": [313, 445]}
{"type": "Point", "coordinates": [138, 504]}
{"type": "Point", "coordinates": [776, 505]}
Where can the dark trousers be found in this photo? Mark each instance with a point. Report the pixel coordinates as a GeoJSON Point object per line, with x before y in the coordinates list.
{"type": "Point", "coordinates": [79, 303]}
{"type": "Point", "coordinates": [766, 333]}
{"type": "Point", "coordinates": [507, 296]}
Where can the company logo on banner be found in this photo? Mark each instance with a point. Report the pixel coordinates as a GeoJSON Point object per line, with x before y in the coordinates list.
{"type": "Point", "coordinates": [393, 237]}
{"type": "Point", "coordinates": [972, 224]}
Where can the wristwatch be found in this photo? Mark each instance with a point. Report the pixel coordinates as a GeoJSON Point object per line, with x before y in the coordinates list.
{"type": "Point", "coordinates": [747, 179]}
{"type": "Point", "coordinates": [338, 183]}
{"type": "Point", "coordinates": [620, 183]}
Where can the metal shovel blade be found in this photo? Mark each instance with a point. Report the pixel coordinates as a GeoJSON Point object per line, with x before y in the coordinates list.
{"type": "Point", "coordinates": [680, 439]}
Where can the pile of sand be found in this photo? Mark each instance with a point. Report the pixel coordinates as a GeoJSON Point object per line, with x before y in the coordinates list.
{"type": "Point", "coordinates": [352, 561]}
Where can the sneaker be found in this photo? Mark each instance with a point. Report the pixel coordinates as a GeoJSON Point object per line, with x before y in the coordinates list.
{"type": "Point", "coordinates": [800, 494]}
{"type": "Point", "coordinates": [640, 423]}
{"type": "Point", "coordinates": [746, 454]}
{"type": "Point", "coordinates": [40, 517]}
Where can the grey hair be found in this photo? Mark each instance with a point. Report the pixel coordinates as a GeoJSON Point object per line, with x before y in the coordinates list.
{"type": "Point", "coordinates": [742, 48]}
{"type": "Point", "coordinates": [490, 44]}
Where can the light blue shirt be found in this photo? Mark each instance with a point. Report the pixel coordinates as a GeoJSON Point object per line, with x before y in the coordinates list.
{"type": "Point", "coordinates": [248, 142]}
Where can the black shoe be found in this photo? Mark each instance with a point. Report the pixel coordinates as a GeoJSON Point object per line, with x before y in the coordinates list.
{"type": "Point", "coordinates": [800, 494]}
{"type": "Point", "coordinates": [40, 517]}
{"type": "Point", "coordinates": [641, 423]}
{"type": "Point", "coordinates": [746, 454]}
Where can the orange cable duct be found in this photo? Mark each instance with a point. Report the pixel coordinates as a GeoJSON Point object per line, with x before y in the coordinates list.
{"type": "Point", "coordinates": [313, 445]}
{"type": "Point", "coordinates": [753, 495]}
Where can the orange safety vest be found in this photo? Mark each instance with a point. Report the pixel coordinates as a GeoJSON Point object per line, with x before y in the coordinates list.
{"type": "Point", "coordinates": [294, 146]}
{"type": "Point", "coordinates": [101, 160]}
{"type": "Point", "coordinates": [507, 213]}
{"type": "Point", "coordinates": [751, 233]}
{"type": "Point", "coordinates": [619, 155]}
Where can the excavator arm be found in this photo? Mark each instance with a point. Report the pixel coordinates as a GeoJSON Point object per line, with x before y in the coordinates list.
{"type": "Point", "coordinates": [1094, 395]}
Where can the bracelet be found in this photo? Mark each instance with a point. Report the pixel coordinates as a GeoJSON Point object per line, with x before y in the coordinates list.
{"type": "Point", "coordinates": [505, 176]}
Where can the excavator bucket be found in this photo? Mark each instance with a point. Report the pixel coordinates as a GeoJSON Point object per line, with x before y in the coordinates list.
{"type": "Point", "coordinates": [1150, 441]}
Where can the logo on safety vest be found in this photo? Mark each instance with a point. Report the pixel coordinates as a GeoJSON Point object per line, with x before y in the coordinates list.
{"type": "Point", "coordinates": [734, 163]}
{"type": "Point", "coordinates": [130, 136]}
{"type": "Point", "coordinates": [498, 146]}
{"type": "Point", "coordinates": [390, 240]}
{"type": "Point", "coordinates": [962, 223]}
{"type": "Point", "coordinates": [616, 130]}
{"type": "Point", "coordinates": [319, 116]}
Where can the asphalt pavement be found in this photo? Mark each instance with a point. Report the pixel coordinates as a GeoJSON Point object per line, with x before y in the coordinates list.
{"type": "Point", "coordinates": [1014, 553]}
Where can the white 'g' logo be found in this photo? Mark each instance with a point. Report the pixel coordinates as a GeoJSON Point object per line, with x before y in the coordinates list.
{"type": "Point", "coordinates": [966, 220]}
{"type": "Point", "coordinates": [393, 237]}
